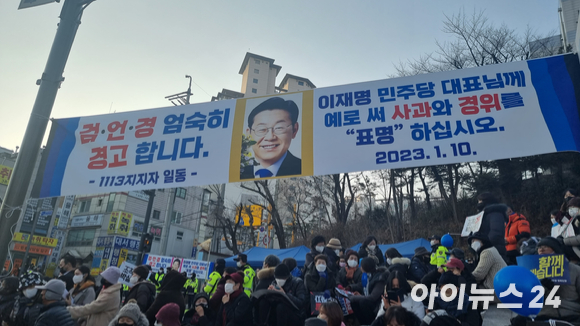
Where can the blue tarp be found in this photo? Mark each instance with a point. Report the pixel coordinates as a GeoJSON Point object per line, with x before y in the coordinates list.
{"type": "Point", "coordinates": [256, 255]}
{"type": "Point", "coordinates": [407, 249]}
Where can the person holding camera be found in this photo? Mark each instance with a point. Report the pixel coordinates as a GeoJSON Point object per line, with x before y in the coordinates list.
{"type": "Point", "coordinates": [201, 314]}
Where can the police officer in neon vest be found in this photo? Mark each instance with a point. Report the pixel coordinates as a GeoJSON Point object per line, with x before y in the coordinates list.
{"type": "Point", "coordinates": [215, 277]}
{"type": "Point", "coordinates": [159, 278]}
{"type": "Point", "coordinates": [249, 273]}
{"type": "Point", "coordinates": [191, 289]}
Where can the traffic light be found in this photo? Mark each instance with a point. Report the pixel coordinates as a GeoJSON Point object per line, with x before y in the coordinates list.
{"type": "Point", "coordinates": [146, 242]}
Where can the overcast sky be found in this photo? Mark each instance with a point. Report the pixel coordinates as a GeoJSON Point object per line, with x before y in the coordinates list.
{"type": "Point", "coordinates": [129, 54]}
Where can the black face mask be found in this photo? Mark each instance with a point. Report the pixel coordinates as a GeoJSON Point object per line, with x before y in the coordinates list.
{"type": "Point", "coordinates": [480, 206]}
{"type": "Point", "coordinates": [63, 270]}
{"type": "Point", "coordinates": [568, 198]}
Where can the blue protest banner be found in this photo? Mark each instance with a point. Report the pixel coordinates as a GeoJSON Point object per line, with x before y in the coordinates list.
{"type": "Point", "coordinates": [554, 267]}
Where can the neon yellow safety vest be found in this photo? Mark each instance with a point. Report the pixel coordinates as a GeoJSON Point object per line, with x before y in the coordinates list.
{"type": "Point", "coordinates": [249, 275]}
{"type": "Point", "coordinates": [211, 285]}
{"type": "Point", "coordinates": [159, 279]}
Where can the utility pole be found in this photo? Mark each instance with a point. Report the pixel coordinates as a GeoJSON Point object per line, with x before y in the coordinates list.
{"type": "Point", "coordinates": [151, 194]}
{"type": "Point", "coordinates": [70, 19]}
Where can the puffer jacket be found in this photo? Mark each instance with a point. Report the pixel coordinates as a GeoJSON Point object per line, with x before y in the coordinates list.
{"type": "Point", "coordinates": [493, 225]}
{"type": "Point", "coordinates": [101, 311]}
{"type": "Point", "coordinates": [170, 293]}
{"type": "Point", "coordinates": [517, 228]}
{"type": "Point", "coordinates": [55, 314]}
{"type": "Point", "coordinates": [238, 311]}
{"type": "Point", "coordinates": [315, 283]}
{"type": "Point", "coordinates": [296, 291]}
{"type": "Point", "coordinates": [418, 269]}
{"type": "Point", "coordinates": [400, 264]}
{"type": "Point", "coordinates": [26, 311]}
{"type": "Point", "coordinates": [265, 278]}
{"type": "Point", "coordinates": [144, 293]}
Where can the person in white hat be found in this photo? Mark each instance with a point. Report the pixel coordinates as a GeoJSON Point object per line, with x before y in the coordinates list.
{"type": "Point", "coordinates": [54, 311]}
{"type": "Point", "coordinates": [101, 311]}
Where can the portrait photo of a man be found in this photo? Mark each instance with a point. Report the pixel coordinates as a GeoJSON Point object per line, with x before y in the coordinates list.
{"type": "Point", "coordinates": [271, 127]}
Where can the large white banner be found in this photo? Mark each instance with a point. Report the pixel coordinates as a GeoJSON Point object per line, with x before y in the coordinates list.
{"type": "Point", "coordinates": [486, 113]}
{"type": "Point", "coordinates": [189, 266]}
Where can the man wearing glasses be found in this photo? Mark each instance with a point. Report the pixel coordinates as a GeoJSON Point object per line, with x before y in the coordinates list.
{"type": "Point", "coordinates": [273, 124]}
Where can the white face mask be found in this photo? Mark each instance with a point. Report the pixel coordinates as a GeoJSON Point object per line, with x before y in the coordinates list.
{"type": "Point", "coordinates": [389, 261]}
{"type": "Point", "coordinates": [30, 293]}
{"type": "Point", "coordinates": [432, 243]}
{"type": "Point", "coordinates": [553, 220]}
{"type": "Point", "coordinates": [134, 279]}
{"type": "Point", "coordinates": [573, 211]}
{"type": "Point", "coordinates": [321, 268]}
{"type": "Point", "coordinates": [157, 323]}
{"type": "Point", "coordinates": [239, 264]}
{"type": "Point", "coordinates": [280, 282]}
{"type": "Point", "coordinates": [475, 245]}
{"type": "Point", "coordinates": [371, 247]}
{"type": "Point", "coordinates": [320, 248]}
{"type": "Point", "coordinates": [77, 279]}
{"type": "Point", "coordinates": [229, 288]}
{"type": "Point", "coordinates": [337, 252]}
{"type": "Point", "coordinates": [352, 263]}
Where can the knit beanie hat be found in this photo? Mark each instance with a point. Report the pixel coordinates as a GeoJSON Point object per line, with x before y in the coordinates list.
{"type": "Point", "coordinates": [448, 278]}
{"type": "Point", "coordinates": [282, 271]}
{"type": "Point", "coordinates": [130, 310]}
{"type": "Point", "coordinates": [111, 274]}
{"type": "Point", "coordinates": [368, 264]}
{"type": "Point", "coordinates": [552, 243]}
{"type": "Point", "coordinates": [168, 315]}
{"type": "Point", "coordinates": [142, 271]}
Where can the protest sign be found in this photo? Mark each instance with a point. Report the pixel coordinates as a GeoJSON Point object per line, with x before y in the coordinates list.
{"type": "Point", "coordinates": [554, 267]}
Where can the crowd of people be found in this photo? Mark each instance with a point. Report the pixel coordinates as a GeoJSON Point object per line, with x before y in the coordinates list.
{"type": "Point", "coordinates": [362, 287]}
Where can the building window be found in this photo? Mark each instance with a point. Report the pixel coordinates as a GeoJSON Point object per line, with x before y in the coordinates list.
{"type": "Point", "coordinates": [180, 192]}
{"type": "Point", "coordinates": [100, 203]}
{"type": "Point", "coordinates": [257, 61]}
{"type": "Point", "coordinates": [84, 206]}
{"type": "Point", "coordinates": [111, 203]}
{"type": "Point", "coordinates": [80, 238]}
{"type": "Point", "coordinates": [138, 228]}
{"type": "Point", "coordinates": [254, 90]}
{"type": "Point", "coordinates": [179, 235]}
{"type": "Point", "coordinates": [156, 214]}
{"type": "Point", "coordinates": [255, 80]}
{"type": "Point", "coordinates": [300, 83]}
{"type": "Point", "coordinates": [256, 71]}
{"type": "Point", "coordinates": [176, 218]}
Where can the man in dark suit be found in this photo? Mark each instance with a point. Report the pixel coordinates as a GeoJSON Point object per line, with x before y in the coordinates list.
{"type": "Point", "coordinates": [273, 124]}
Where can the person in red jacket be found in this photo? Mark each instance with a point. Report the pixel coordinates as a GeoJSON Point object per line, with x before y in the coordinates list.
{"type": "Point", "coordinates": [517, 228]}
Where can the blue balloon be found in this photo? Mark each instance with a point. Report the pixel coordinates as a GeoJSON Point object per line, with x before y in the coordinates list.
{"type": "Point", "coordinates": [524, 281]}
{"type": "Point", "coordinates": [447, 241]}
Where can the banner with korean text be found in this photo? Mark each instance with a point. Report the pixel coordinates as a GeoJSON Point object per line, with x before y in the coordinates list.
{"type": "Point", "coordinates": [487, 113]}
{"type": "Point", "coordinates": [189, 266]}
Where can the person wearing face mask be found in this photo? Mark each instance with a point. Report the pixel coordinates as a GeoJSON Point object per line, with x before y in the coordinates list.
{"type": "Point", "coordinates": [27, 306]}
{"type": "Point", "coordinates": [201, 314]}
{"type": "Point", "coordinates": [215, 277]}
{"type": "Point", "coordinates": [170, 293]}
{"type": "Point", "coordinates": [248, 271]}
{"type": "Point", "coordinates": [366, 304]}
{"type": "Point", "coordinates": [320, 278]}
{"type": "Point", "coordinates": [168, 315]}
{"type": "Point", "coordinates": [284, 312]}
{"type": "Point", "coordinates": [54, 311]}
{"type": "Point", "coordinates": [571, 241]}
{"type": "Point", "coordinates": [397, 283]}
{"type": "Point", "coordinates": [516, 229]}
{"type": "Point", "coordinates": [67, 267]}
{"type": "Point", "coordinates": [236, 307]}
{"type": "Point", "coordinates": [466, 315]}
{"type": "Point", "coordinates": [350, 276]}
{"type": "Point", "coordinates": [569, 194]}
{"type": "Point", "coordinates": [130, 315]}
{"type": "Point", "coordinates": [335, 245]}
{"type": "Point", "coordinates": [493, 221]}
{"type": "Point", "coordinates": [84, 290]}
{"type": "Point", "coordinates": [103, 310]}
{"type": "Point", "coordinates": [391, 254]}
{"type": "Point", "coordinates": [420, 264]}
{"type": "Point", "coordinates": [190, 287]}
{"type": "Point", "coordinates": [216, 299]}
{"type": "Point", "coordinates": [266, 274]}
{"type": "Point", "coordinates": [8, 293]}
{"type": "Point", "coordinates": [369, 248]}
{"type": "Point", "coordinates": [489, 261]}
{"type": "Point", "coordinates": [318, 246]}
{"type": "Point", "coordinates": [142, 290]}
